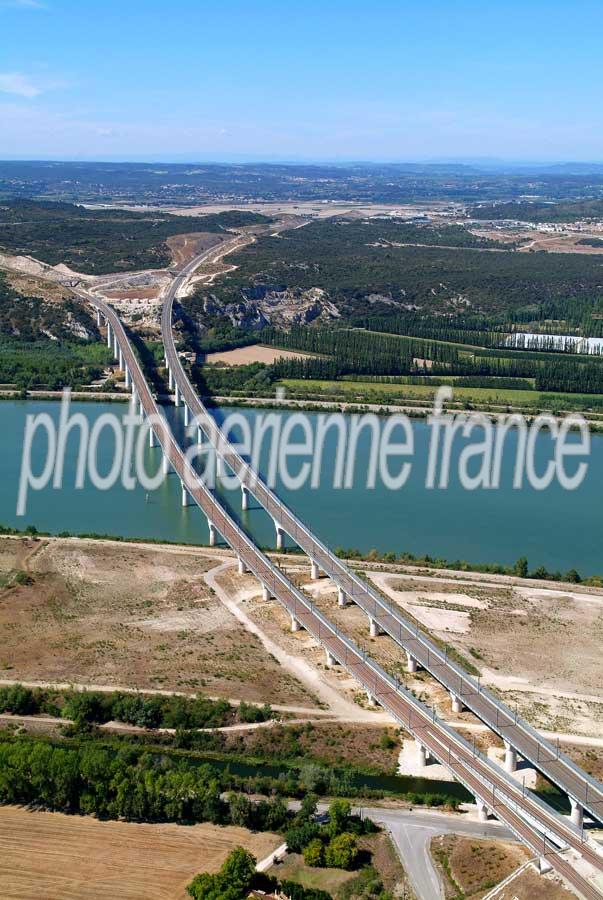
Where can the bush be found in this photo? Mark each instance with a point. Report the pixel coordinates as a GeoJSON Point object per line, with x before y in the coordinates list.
{"type": "Point", "coordinates": [314, 853]}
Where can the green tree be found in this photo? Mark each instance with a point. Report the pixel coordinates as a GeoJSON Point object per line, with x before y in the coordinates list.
{"type": "Point", "coordinates": [240, 810]}
{"type": "Point", "coordinates": [342, 851]}
{"type": "Point", "coordinates": [314, 853]}
{"type": "Point", "coordinates": [521, 567]}
{"type": "Point", "coordinates": [339, 816]}
{"type": "Point", "coordinates": [238, 869]}
{"type": "Point", "coordinates": [308, 807]}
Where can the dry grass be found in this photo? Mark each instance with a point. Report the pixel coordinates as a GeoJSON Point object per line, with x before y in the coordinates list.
{"type": "Point", "coordinates": [330, 742]}
{"type": "Point", "coordinates": [539, 646]}
{"type": "Point", "coordinates": [530, 885]}
{"type": "Point", "coordinates": [472, 866]}
{"type": "Point", "coordinates": [61, 857]}
{"type": "Point", "coordinates": [103, 613]}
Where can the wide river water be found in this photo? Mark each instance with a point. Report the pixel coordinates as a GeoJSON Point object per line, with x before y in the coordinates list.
{"type": "Point", "coordinates": [556, 528]}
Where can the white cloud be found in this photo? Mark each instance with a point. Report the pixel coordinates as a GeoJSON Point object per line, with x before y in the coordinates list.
{"type": "Point", "coordinates": [25, 86]}
{"type": "Point", "coordinates": [15, 83]}
{"type": "Point", "coordinates": [22, 4]}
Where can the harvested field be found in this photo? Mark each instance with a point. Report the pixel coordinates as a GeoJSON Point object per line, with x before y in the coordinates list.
{"type": "Point", "coordinates": [104, 613]}
{"type": "Point", "coordinates": [470, 866]}
{"type": "Point", "coordinates": [61, 857]}
{"type": "Point", "coordinates": [242, 356]}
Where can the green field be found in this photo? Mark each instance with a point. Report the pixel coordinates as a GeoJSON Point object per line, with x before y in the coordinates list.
{"type": "Point", "coordinates": [325, 879]}
{"type": "Point", "coordinates": [373, 392]}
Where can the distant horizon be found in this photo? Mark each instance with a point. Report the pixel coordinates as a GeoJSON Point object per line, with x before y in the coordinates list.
{"type": "Point", "coordinates": [249, 160]}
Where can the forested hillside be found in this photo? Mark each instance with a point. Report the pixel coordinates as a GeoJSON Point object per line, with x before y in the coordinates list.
{"type": "Point", "coordinates": [534, 211]}
{"type": "Point", "coordinates": [374, 267]}
{"type": "Point", "coordinates": [98, 241]}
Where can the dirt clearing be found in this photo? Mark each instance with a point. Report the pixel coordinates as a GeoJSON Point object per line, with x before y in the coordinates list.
{"type": "Point", "coordinates": [470, 866]}
{"type": "Point", "coordinates": [185, 247]}
{"type": "Point", "coordinates": [61, 857]}
{"type": "Point", "coordinates": [113, 614]}
{"type": "Point", "coordinates": [538, 646]}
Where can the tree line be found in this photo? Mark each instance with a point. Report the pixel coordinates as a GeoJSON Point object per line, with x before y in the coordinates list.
{"type": "Point", "coordinates": [142, 710]}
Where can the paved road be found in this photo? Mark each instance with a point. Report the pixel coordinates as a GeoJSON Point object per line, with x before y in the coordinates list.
{"type": "Point", "coordinates": [412, 833]}
{"type": "Point", "coordinates": [543, 830]}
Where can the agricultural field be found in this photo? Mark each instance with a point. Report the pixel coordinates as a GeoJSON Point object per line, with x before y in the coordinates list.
{"type": "Point", "coordinates": [55, 856]}
{"type": "Point", "coordinates": [255, 353]}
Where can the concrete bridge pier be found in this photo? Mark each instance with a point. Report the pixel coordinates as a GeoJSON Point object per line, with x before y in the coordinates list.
{"type": "Point", "coordinates": [244, 497]}
{"type": "Point", "coordinates": [166, 464]}
{"type": "Point", "coordinates": [341, 597]}
{"type": "Point", "coordinates": [242, 568]}
{"type": "Point", "coordinates": [213, 534]}
{"type": "Point", "coordinates": [127, 373]}
{"type": "Point", "coordinates": [265, 594]}
{"type": "Point", "coordinates": [577, 813]}
{"type": "Point", "coordinates": [184, 495]}
{"type": "Point", "coordinates": [98, 318]}
{"type": "Point", "coordinates": [295, 624]}
{"type": "Point", "coordinates": [457, 705]}
{"type": "Point", "coordinates": [314, 572]}
{"type": "Point", "coordinates": [219, 466]}
{"type": "Point", "coordinates": [482, 811]}
{"type": "Point", "coordinates": [510, 758]}
{"type": "Point", "coordinates": [544, 865]}
{"type": "Point", "coordinates": [151, 438]}
{"type": "Point", "coordinates": [374, 629]}
{"type": "Point", "coordinates": [411, 663]}
{"type": "Point", "coordinates": [115, 347]}
{"type": "Point", "coordinates": [199, 435]}
{"type": "Point", "coordinates": [170, 380]}
{"type": "Point", "coordinates": [109, 335]}
{"type": "Point", "coordinates": [423, 754]}
{"type": "Point", "coordinates": [331, 661]}
{"type": "Point", "coordinates": [186, 416]}
{"type": "Point", "coordinates": [121, 360]}
{"type": "Point", "coordinates": [280, 536]}
{"type": "Point", "coordinates": [370, 699]}
{"type": "Point", "coordinates": [140, 409]}
{"type": "Point", "coordinates": [177, 397]}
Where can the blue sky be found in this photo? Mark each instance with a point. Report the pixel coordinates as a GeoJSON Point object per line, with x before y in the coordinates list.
{"type": "Point", "coordinates": [192, 80]}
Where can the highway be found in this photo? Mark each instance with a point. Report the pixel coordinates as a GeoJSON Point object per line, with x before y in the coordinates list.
{"type": "Point", "coordinates": [522, 737]}
{"type": "Point", "coordinates": [547, 833]}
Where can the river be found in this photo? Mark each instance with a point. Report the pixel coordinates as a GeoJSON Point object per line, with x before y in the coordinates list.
{"type": "Point", "coordinates": [556, 528]}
